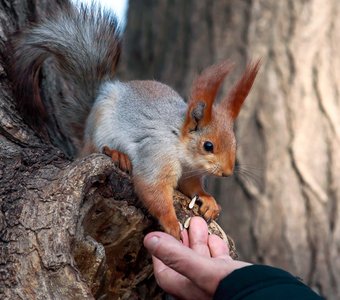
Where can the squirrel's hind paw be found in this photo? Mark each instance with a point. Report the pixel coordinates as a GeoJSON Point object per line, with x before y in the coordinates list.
{"type": "Point", "coordinates": [120, 159]}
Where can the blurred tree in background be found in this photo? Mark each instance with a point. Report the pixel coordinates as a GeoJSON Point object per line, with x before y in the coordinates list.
{"type": "Point", "coordinates": [73, 230]}
{"type": "Point", "coordinates": [282, 206]}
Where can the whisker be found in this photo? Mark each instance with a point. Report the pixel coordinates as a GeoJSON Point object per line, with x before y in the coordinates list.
{"type": "Point", "coordinates": [250, 175]}
{"type": "Point", "coordinates": [249, 167]}
{"type": "Point", "coordinates": [194, 173]}
{"type": "Point", "coordinates": [249, 178]}
{"type": "Point", "coordinates": [198, 172]}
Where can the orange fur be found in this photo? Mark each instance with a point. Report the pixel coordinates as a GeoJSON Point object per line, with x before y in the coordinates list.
{"type": "Point", "coordinates": [220, 132]}
{"type": "Point", "coordinates": [158, 199]}
{"type": "Point", "coordinates": [233, 102]}
{"type": "Point", "coordinates": [119, 158]}
{"type": "Point", "coordinates": [204, 91]}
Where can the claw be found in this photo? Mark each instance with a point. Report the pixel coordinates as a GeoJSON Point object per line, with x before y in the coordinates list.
{"type": "Point", "coordinates": [209, 208]}
{"type": "Point", "coordinates": [121, 160]}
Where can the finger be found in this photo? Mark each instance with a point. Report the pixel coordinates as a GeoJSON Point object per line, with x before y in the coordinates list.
{"type": "Point", "coordinates": [185, 237]}
{"type": "Point", "coordinates": [168, 279]}
{"type": "Point", "coordinates": [158, 266]}
{"type": "Point", "coordinates": [217, 246]}
{"type": "Point", "coordinates": [173, 253]}
{"type": "Point", "coordinates": [164, 246]}
{"type": "Point", "coordinates": [198, 236]}
{"type": "Point", "coordinates": [176, 284]}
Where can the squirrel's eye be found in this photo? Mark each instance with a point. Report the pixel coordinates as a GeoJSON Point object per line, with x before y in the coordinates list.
{"type": "Point", "coordinates": [208, 146]}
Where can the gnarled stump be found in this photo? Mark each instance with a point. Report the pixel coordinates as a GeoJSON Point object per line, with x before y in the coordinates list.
{"type": "Point", "coordinates": [74, 230]}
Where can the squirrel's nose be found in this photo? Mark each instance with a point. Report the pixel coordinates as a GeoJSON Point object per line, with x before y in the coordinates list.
{"type": "Point", "coordinates": [224, 174]}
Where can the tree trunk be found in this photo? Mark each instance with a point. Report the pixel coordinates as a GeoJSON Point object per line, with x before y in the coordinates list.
{"type": "Point", "coordinates": [282, 207]}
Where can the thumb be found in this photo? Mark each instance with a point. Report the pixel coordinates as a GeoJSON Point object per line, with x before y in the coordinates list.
{"type": "Point", "coordinates": [162, 245]}
{"type": "Point", "coordinates": [170, 251]}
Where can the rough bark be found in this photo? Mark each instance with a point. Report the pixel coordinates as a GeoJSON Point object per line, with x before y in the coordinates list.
{"type": "Point", "coordinates": [68, 229]}
{"type": "Point", "coordinates": [283, 207]}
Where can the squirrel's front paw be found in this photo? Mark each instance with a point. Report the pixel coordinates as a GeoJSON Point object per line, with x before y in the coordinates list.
{"type": "Point", "coordinates": [171, 226]}
{"type": "Point", "coordinates": [120, 159]}
{"type": "Point", "coordinates": [209, 208]}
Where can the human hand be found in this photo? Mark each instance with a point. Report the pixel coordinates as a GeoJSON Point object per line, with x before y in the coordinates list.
{"type": "Point", "coordinates": [191, 270]}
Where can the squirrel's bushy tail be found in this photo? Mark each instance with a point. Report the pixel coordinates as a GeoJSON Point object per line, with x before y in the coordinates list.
{"type": "Point", "coordinates": [84, 40]}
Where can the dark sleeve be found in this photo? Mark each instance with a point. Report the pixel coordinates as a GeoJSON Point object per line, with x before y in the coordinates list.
{"type": "Point", "coordinates": [263, 282]}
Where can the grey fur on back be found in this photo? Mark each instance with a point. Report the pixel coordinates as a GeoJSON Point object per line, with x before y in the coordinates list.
{"type": "Point", "coordinates": [142, 119]}
{"type": "Point", "coordinates": [85, 44]}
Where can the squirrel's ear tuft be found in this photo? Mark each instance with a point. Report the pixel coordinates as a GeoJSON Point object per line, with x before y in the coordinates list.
{"type": "Point", "coordinates": [203, 94]}
{"type": "Point", "coordinates": [233, 102]}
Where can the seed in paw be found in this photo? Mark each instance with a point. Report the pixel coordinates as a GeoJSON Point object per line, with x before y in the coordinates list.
{"type": "Point", "coordinates": [192, 202]}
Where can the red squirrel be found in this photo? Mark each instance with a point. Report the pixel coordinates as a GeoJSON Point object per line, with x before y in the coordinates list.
{"type": "Point", "coordinates": [143, 125]}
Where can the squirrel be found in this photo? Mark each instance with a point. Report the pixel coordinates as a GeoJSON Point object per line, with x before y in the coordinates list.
{"type": "Point", "coordinates": [145, 126]}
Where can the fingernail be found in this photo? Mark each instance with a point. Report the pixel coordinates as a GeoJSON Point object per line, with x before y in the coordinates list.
{"type": "Point", "coordinates": [152, 242]}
